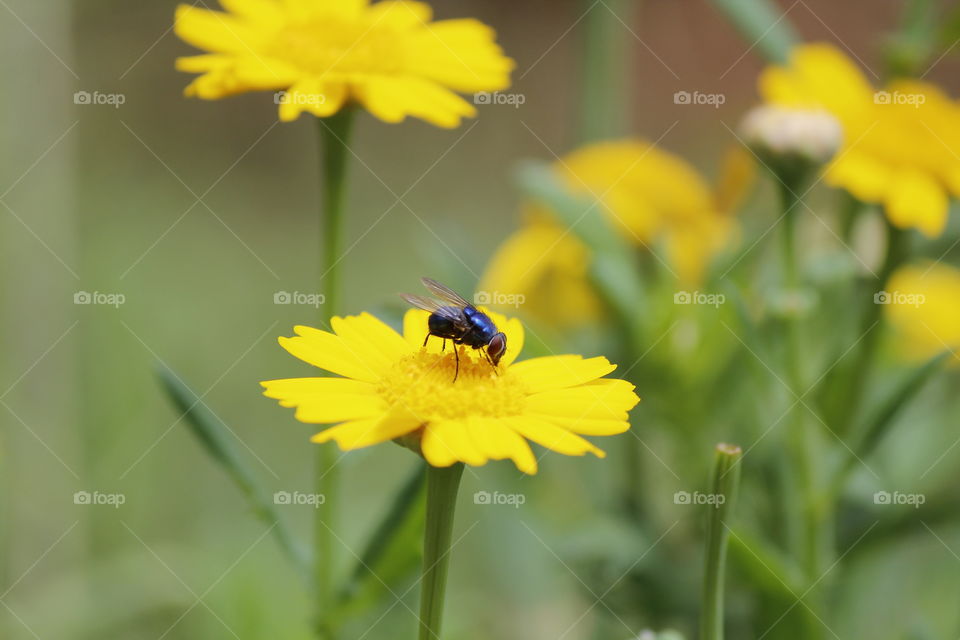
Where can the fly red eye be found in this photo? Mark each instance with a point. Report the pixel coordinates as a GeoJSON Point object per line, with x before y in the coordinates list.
{"type": "Point", "coordinates": [497, 347]}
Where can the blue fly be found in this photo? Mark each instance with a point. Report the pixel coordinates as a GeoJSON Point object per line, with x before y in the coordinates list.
{"type": "Point", "coordinates": [453, 318]}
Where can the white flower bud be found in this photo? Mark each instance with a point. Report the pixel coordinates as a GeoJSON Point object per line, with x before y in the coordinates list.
{"type": "Point", "coordinates": [781, 133]}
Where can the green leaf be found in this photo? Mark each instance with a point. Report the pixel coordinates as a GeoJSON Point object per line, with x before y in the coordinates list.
{"type": "Point", "coordinates": [762, 24]}
{"type": "Point", "coordinates": [879, 422]}
{"type": "Point", "coordinates": [383, 541]}
{"type": "Point", "coordinates": [766, 567]}
{"type": "Point", "coordinates": [217, 441]}
{"type": "Point", "coordinates": [613, 268]}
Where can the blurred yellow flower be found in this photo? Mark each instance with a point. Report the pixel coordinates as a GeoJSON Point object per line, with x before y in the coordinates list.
{"type": "Point", "coordinates": [898, 142]}
{"type": "Point", "coordinates": [923, 305]}
{"type": "Point", "coordinates": [655, 200]}
{"type": "Point", "coordinates": [393, 387]}
{"type": "Point", "coordinates": [387, 56]}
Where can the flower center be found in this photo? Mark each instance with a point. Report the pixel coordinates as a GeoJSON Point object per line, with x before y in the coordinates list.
{"type": "Point", "coordinates": [329, 45]}
{"type": "Point", "coordinates": [423, 383]}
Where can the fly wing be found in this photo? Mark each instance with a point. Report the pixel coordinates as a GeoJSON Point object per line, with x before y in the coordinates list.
{"type": "Point", "coordinates": [445, 293]}
{"type": "Point", "coordinates": [433, 306]}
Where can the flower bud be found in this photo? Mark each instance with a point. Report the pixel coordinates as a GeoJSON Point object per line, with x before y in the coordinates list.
{"type": "Point", "coordinates": [792, 139]}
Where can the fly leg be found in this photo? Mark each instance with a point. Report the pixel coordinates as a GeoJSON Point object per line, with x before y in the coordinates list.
{"type": "Point", "coordinates": [444, 347]}
{"type": "Point", "coordinates": [487, 356]}
{"type": "Point", "coordinates": [425, 340]}
{"type": "Point", "coordinates": [456, 353]}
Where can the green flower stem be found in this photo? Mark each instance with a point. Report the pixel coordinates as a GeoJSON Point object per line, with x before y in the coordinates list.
{"type": "Point", "coordinates": [605, 80]}
{"type": "Point", "coordinates": [809, 523]}
{"type": "Point", "coordinates": [334, 137]}
{"type": "Point", "coordinates": [442, 486]}
{"type": "Point", "coordinates": [860, 373]}
{"type": "Point", "coordinates": [726, 479]}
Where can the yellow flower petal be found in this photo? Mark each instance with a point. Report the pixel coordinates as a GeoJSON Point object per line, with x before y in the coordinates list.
{"type": "Point", "coordinates": [915, 200]}
{"type": "Point", "coordinates": [357, 434]}
{"type": "Point", "coordinates": [401, 14]}
{"type": "Point", "coordinates": [924, 309]}
{"type": "Point", "coordinates": [862, 174]}
{"type": "Point", "coordinates": [606, 400]}
{"type": "Point", "coordinates": [333, 353]}
{"type": "Point", "coordinates": [214, 31]}
{"type": "Point", "coordinates": [559, 372]}
{"type": "Point", "coordinates": [553, 437]}
{"type": "Point", "coordinates": [315, 96]}
{"type": "Point", "coordinates": [448, 441]}
{"type": "Point", "coordinates": [264, 12]}
{"type": "Point", "coordinates": [326, 400]}
{"type": "Point", "coordinates": [460, 54]}
{"type": "Point", "coordinates": [393, 99]}
{"type": "Point", "coordinates": [495, 440]}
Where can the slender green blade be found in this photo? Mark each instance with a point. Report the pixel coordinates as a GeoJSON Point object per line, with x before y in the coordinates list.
{"type": "Point", "coordinates": [383, 541]}
{"type": "Point", "coordinates": [214, 435]}
{"type": "Point", "coordinates": [879, 422]}
{"type": "Point", "coordinates": [613, 269]}
{"type": "Point", "coordinates": [763, 25]}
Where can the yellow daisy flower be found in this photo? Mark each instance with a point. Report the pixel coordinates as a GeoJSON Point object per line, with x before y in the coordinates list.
{"type": "Point", "coordinates": [923, 305]}
{"type": "Point", "coordinates": [652, 197]}
{"type": "Point", "coordinates": [387, 56]}
{"type": "Point", "coordinates": [394, 388]}
{"type": "Point", "coordinates": [898, 142]}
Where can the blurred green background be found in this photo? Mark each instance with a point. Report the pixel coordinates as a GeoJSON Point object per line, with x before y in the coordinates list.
{"type": "Point", "coordinates": [198, 213]}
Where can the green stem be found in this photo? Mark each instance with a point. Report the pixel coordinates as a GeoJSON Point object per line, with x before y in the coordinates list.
{"type": "Point", "coordinates": [897, 252]}
{"type": "Point", "coordinates": [442, 486]}
{"type": "Point", "coordinates": [810, 530]}
{"type": "Point", "coordinates": [334, 138]}
{"type": "Point", "coordinates": [604, 76]}
{"type": "Point", "coordinates": [726, 479]}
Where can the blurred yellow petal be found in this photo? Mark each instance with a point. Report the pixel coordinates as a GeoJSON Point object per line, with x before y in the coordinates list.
{"type": "Point", "coordinates": [460, 54]}
{"type": "Point", "coordinates": [214, 31]}
{"type": "Point", "coordinates": [312, 95]}
{"type": "Point", "coordinates": [922, 303]}
{"type": "Point", "coordinates": [393, 99]}
{"type": "Point", "coordinates": [401, 14]}
{"type": "Point", "coordinates": [862, 174]}
{"type": "Point", "coordinates": [915, 200]}
{"type": "Point", "coordinates": [388, 56]}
